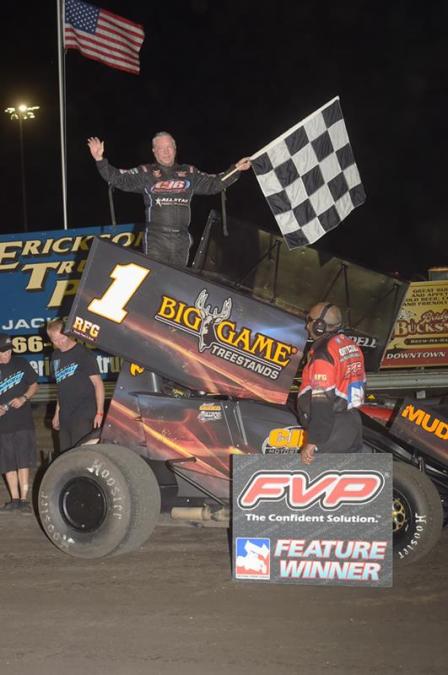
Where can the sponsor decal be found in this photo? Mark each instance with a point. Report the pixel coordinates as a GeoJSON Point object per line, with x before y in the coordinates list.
{"type": "Point", "coordinates": [364, 341]}
{"type": "Point", "coordinates": [354, 368]}
{"type": "Point", "coordinates": [348, 349]}
{"type": "Point", "coordinates": [355, 394]}
{"type": "Point", "coordinates": [423, 419]}
{"type": "Point", "coordinates": [330, 489]}
{"type": "Point", "coordinates": [85, 328]}
{"type": "Point", "coordinates": [284, 441]}
{"type": "Point", "coordinates": [210, 412]}
{"type": "Point", "coordinates": [220, 335]}
{"type": "Point", "coordinates": [170, 186]}
{"type": "Point", "coordinates": [172, 201]}
{"type": "Point", "coordinates": [133, 171]}
{"type": "Point", "coordinates": [135, 369]}
{"type": "Point", "coordinates": [253, 558]}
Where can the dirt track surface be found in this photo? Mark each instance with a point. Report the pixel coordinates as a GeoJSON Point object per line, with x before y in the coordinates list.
{"type": "Point", "coordinates": [172, 608]}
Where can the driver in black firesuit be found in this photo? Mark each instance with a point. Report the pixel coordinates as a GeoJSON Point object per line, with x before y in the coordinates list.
{"type": "Point", "coordinates": [332, 387]}
{"type": "Point", "coordinates": [167, 189]}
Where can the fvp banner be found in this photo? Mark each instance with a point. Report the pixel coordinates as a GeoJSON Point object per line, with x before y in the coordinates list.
{"type": "Point", "coordinates": [39, 277]}
{"type": "Point", "coordinates": [327, 524]}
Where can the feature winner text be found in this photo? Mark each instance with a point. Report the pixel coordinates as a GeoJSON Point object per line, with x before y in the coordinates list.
{"type": "Point", "coordinates": [330, 559]}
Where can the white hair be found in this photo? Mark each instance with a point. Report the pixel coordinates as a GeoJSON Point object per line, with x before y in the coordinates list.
{"type": "Point", "coordinates": [163, 133]}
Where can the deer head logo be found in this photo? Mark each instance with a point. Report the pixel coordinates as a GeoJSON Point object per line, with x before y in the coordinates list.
{"type": "Point", "coordinates": [210, 319]}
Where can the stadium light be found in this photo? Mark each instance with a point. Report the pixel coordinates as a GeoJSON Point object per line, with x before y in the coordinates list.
{"type": "Point", "coordinates": [22, 112]}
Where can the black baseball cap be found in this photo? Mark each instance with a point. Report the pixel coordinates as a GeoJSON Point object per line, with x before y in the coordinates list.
{"type": "Point", "coordinates": [5, 343]}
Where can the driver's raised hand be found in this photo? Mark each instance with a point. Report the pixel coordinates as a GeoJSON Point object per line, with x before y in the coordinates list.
{"type": "Point", "coordinates": [96, 148]}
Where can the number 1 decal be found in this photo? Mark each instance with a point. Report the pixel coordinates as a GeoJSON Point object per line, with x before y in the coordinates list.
{"type": "Point", "coordinates": [126, 281]}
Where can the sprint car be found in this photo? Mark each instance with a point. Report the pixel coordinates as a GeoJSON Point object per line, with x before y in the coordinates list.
{"type": "Point", "coordinates": [207, 373]}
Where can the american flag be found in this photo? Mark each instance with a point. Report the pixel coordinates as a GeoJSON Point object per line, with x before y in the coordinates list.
{"type": "Point", "coordinates": [102, 36]}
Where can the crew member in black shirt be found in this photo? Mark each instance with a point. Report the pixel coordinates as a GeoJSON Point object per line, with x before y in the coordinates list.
{"type": "Point", "coordinates": [18, 384]}
{"type": "Point", "coordinates": [80, 406]}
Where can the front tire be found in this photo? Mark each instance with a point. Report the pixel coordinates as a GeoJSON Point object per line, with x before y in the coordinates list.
{"type": "Point", "coordinates": [417, 514]}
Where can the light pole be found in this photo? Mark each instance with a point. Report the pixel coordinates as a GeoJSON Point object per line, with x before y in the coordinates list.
{"type": "Point", "coordinates": [22, 112]}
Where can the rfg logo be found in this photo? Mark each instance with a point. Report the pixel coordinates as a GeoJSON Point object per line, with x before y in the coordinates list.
{"type": "Point", "coordinates": [330, 489]}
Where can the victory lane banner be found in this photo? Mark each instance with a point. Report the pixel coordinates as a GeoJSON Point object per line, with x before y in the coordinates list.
{"type": "Point", "coordinates": [195, 332]}
{"type": "Point", "coordinates": [329, 523]}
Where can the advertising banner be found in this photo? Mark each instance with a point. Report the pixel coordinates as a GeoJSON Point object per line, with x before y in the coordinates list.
{"type": "Point", "coordinates": [420, 335]}
{"type": "Point", "coordinates": [190, 330]}
{"type": "Point", "coordinates": [327, 524]}
{"type": "Point", "coordinates": [39, 277]}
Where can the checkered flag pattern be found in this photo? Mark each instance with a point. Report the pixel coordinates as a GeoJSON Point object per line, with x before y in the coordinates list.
{"type": "Point", "coordinates": [309, 176]}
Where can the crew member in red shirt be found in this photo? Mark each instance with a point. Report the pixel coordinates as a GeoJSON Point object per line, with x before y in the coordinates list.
{"type": "Point", "coordinates": [332, 387]}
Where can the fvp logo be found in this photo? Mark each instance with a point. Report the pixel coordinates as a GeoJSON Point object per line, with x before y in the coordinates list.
{"type": "Point", "coordinates": [253, 558]}
{"type": "Point", "coordinates": [330, 489]}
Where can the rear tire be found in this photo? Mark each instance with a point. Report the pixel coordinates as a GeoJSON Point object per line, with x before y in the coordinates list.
{"type": "Point", "coordinates": [98, 500]}
{"type": "Point", "coordinates": [85, 503]}
{"type": "Point", "coordinates": [417, 514]}
{"type": "Point", "coordinates": [145, 495]}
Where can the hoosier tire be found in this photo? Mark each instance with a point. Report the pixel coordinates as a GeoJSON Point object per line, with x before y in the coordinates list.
{"type": "Point", "coordinates": [99, 500]}
{"type": "Point", "coordinates": [417, 514]}
{"type": "Point", "coordinates": [145, 495]}
{"type": "Point", "coordinates": [85, 503]}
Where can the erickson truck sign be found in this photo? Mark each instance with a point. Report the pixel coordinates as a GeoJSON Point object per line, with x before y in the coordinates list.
{"type": "Point", "coordinates": [40, 274]}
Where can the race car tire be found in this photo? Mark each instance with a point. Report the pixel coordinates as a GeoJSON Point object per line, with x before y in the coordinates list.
{"type": "Point", "coordinates": [85, 503]}
{"type": "Point", "coordinates": [146, 501]}
{"type": "Point", "coordinates": [417, 514]}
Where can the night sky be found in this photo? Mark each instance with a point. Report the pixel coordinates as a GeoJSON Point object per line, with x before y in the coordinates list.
{"type": "Point", "coordinates": [225, 78]}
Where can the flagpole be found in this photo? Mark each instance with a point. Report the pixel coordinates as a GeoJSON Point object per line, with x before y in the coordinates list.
{"type": "Point", "coordinates": [61, 78]}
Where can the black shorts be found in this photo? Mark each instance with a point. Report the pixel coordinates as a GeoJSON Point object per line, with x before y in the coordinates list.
{"type": "Point", "coordinates": [73, 429]}
{"type": "Point", "coordinates": [18, 450]}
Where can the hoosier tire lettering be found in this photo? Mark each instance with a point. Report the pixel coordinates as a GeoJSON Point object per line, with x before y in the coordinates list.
{"type": "Point", "coordinates": [85, 503]}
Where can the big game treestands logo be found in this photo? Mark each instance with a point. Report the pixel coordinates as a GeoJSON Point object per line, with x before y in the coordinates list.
{"type": "Point", "coordinates": [217, 333]}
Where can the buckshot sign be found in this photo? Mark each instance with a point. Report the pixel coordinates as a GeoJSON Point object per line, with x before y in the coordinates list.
{"type": "Point", "coordinates": [328, 524]}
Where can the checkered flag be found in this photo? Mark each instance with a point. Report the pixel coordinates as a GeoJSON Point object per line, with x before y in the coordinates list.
{"type": "Point", "coordinates": [309, 176]}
